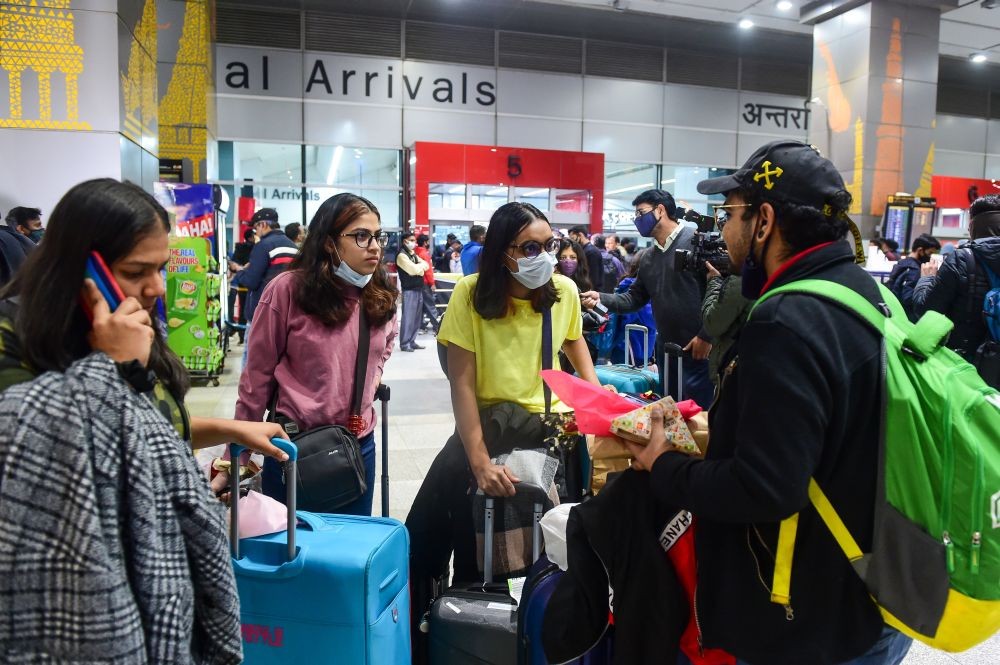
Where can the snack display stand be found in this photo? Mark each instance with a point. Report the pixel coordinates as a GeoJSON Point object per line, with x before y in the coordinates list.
{"type": "Point", "coordinates": [194, 308]}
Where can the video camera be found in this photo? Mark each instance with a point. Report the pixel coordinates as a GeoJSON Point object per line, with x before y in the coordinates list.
{"type": "Point", "coordinates": [708, 246]}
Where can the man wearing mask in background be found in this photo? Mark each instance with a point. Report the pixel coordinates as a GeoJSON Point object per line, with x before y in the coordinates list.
{"type": "Point", "coordinates": [423, 250]}
{"type": "Point", "coordinates": [15, 244]}
{"type": "Point", "coordinates": [27, 222]}
{"type": "Point", "coordinates": [676, 297]}
{"type": "Point", "coordinates": [801, 400]}
{"type": "Point", "coordinates": [410, 270]}
{"type": "Point", "coordinates": [591, 254]}
{"type": "Point", "coordinates": [905, 275]}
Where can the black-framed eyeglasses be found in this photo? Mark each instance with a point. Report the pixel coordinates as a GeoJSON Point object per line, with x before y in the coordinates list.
{"type": "Point", "coordinates": [364, 238]}
{"type": "Point", "coordinates": [532, 248]}
{"type": "Point", "coordinates": [722, 214]}
{"type": "Point", "coordinates": [640, 213]}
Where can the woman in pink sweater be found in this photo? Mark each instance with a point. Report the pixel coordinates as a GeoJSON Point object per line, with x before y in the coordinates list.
{"type": "Point", "coordinates": [304, 343]}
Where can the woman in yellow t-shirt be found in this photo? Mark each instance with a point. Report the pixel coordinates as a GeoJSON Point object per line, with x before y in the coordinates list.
{"type": "Point", "coordinates": [493, 331]}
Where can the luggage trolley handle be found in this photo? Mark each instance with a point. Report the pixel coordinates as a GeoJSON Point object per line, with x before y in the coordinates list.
{"type": "Point", "coordinates": [629, 355]}
{"type": "Point", "coordinates": [538, 496]}
{"type": "Point", "coordinates": [382, 394]}
{"type": "Point", "coordinates": [234, 493]}
{"type": "Point", "coordinates": [678, 352]}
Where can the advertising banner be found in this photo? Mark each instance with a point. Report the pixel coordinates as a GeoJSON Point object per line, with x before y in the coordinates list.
{"type": "Point", "coordinates": [191, 209]}
{"type": "Point", "coordinates": [192, 293]}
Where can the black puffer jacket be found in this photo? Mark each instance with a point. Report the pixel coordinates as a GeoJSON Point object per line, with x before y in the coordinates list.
{"type": "Point", "coordinates": [802, 401]}
{"type": "Point", "coordinates": [958, 292]}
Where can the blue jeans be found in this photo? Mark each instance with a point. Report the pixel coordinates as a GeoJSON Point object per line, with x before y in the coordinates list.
{"type": "Point", "coordinates": [273, 485]}
{"type": "Point", "coordinates": [890, 649]}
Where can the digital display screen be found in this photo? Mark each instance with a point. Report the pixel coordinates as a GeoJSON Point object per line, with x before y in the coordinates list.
{"type": "Point", "coordinates": [896, 222]}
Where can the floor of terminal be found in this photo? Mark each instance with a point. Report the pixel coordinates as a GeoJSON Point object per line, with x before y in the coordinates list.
{"type": "Point", "coordinates": [420, 421]}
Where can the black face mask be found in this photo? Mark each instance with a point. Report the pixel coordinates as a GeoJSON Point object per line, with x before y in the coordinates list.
{"type": "Point", "coordinates": [753, 274]}
{"type": "Point", "coordinates": [923, 259]}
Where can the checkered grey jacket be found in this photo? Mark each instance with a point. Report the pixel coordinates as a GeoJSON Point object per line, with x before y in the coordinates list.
{"type": "Point", "coordinates": [112, 549]}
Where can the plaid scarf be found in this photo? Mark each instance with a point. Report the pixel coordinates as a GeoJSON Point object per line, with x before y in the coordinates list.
{"type": "Point", "coordinates": [112, 548]}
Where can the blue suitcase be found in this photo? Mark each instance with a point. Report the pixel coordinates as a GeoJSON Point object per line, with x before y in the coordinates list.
{"type": "Point", "coordinates": [630, 378]}
{"type": "Point", "coordinates": [538, 589]}
{"type": "Point", "coordinates": [334, 590]}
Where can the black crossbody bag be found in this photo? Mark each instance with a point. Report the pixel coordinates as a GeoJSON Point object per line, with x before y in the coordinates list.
{"type": "Point", "coordinates": [331, 469]}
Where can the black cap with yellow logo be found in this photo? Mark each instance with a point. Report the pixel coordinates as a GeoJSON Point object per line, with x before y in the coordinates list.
{"type": "Point", "coordinates": [789, 171]}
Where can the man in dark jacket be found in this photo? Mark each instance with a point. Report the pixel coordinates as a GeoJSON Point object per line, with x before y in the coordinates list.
{"type": "Point", "coordinates": [595, 260]}
{"type": "Point", "coordinates": [957, 289]}
{"type": "Point", "coordinates": [268, 258]}
{"type": "Point", "coordinates": [15, 243]}
{"type": "Point", "coordinates": [906, 274]}
{"type": "Point", "coordinates": [676, 296]}
{"type": "Point", "coordinates": [802, 401]}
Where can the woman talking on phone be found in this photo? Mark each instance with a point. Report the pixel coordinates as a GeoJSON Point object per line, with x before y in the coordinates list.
{"type": "Point", "coordinates": [44, 327]}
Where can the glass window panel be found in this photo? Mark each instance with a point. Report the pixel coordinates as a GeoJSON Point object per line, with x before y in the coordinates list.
{"type": "Point", "coordinates": [286, 200]}
{"type": "Point", "coordinates": [267, 162]}
{"type": "Point", "coordinates": [342, 165]}
{"type": "Point", "coordinates": [487, 197]}
{"type": "Point", "coordinates": [387, 202]}
{"type": "Point", "coordinates": [447, 195]}
{"type": "Point", "coordinates": [682, 182]}
{"type": "Point", "coordinates": [572, 200]}
{"type": "Point", "coordinates": [538, 197]}
{"type": "Point", "coordinates": [622, 183]}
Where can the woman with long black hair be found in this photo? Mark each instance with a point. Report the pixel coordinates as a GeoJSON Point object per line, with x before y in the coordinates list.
{"type": "Point", "coordinates": [305, 340]}
{"type": "Point", "coordinates": [43, 326]}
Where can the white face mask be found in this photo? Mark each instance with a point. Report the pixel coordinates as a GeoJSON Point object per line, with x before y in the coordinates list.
{"type": "Point", "coordinates": [535, 272]}
{"type": "Point", "coordinates": [349, 274]}
{"type": "Point", "coordinates": [410, 245]}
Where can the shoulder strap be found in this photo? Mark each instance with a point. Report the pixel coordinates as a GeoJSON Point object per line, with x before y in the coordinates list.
{"type": "Point", "coordinates": [361, 363]}
{"type": "Point", "coordinates": [547, 354]}
{"type": "Point", "coordinates": [841, 295]}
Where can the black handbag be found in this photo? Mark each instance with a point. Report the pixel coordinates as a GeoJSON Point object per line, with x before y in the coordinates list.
{"type": "Point", "coordinates": [331, 468]}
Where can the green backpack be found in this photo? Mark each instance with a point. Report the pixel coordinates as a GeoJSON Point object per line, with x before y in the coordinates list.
{"type": "Point", "coordinates": [934, 568]}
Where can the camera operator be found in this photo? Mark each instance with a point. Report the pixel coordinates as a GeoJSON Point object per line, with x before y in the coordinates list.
{"type": "Point", "coordinates": [676, 296]}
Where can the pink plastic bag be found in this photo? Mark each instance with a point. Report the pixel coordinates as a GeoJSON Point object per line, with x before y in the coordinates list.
{"type": "Point", "coordinates": [261, 515]}
{"type": "Point", "coordinates": [595, 407]}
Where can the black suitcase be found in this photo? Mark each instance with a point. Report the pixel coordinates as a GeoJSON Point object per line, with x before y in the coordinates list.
{"type": "Point", "coordinates": [477, 625]}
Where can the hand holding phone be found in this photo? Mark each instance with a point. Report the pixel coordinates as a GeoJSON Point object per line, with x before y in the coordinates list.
{"type": "Point", "coordinates": [120, 327]}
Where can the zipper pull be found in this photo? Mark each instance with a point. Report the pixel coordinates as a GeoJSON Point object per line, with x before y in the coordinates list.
{"type": "Point", "coordinates": [789, 613]}
{"type": "Point", "coordinates": [977, 543]}
{"type": "Point", "coordinates": [949, 549]}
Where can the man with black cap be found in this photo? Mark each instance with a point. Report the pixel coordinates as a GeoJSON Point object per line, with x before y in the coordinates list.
{"type": "Point", "coordinates": [270, 256]}
{"type": "Point", "coordinates": [958, 287]}
{"type": "Point", "coordinates": [676, 296]}
{"type": "Point", "coordinates": [800, 399]}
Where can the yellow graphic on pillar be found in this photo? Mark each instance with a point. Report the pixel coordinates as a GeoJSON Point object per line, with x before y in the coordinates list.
{"type": "Point", "coordinates": [139, 83]}
{"type": "Point", "coordinates": [184, 109]}
{"type": "Point", "coordinates": [38, 36]}
{"type": "Point", "coordinates": [927, 175]}
{"type": "Point", "coordinates": [855, 187]}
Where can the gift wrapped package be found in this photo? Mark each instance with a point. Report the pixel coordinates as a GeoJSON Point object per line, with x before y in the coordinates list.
{"type": "Point", "coordinates": [637, 425]}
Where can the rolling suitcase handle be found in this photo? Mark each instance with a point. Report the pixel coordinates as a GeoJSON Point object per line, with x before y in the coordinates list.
{"type": "Point", "coordinates": [382, 394]}
{"type": "Point", "coordinates": [678, 352]}
{"type": "Point", "coordinates": [629, 356]}
{"type": "Point", "coordinates": [536, 528]}
{"type": "Point", "coordinates": [290, 495]}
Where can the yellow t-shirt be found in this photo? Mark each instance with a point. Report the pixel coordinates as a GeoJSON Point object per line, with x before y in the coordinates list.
{"type": "Point", "coordinates": [509, 350]}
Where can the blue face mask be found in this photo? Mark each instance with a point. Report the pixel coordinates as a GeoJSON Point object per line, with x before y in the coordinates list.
{"type": "Point", "coordinates": [646, 223]}
{"type": "Point", "coordinates": [350, 275]}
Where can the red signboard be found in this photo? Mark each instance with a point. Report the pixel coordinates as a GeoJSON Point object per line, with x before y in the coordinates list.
{"type": "Point", "coordinates": [511, 167]}
{"type": "Point", "coordinates": [961, 192]}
